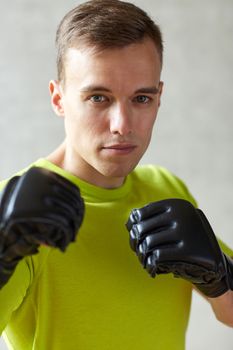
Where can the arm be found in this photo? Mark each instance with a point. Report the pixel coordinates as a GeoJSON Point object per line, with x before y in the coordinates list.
{"type": "Point", "coordinates": [173, 236]}
{"type": "Point", "coordinates": [223, 307]}
{"type": "Point", "coordinates": [40, 207]}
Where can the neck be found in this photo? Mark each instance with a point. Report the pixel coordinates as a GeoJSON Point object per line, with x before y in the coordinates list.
{"type": "Point", "coordinates": [66, 160]}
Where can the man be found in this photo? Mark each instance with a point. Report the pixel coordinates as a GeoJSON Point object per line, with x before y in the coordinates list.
{"type": "Point", "coordinates": [96, 295]}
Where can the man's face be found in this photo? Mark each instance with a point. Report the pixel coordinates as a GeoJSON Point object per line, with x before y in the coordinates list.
{"type": "Point", "coordinates": [109, 102]}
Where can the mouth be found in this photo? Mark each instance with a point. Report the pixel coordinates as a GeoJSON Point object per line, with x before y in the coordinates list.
{"type": "Point", "coordinates": [119, 148]}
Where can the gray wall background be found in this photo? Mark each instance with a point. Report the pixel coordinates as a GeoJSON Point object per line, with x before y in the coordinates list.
{"type": "Point", "coordinates": [193, 134]}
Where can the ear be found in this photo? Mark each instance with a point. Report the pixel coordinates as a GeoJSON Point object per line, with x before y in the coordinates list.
{"type": "Point", "coordinates": [160, 92]}
{"type": "Point", "coordinates": [56, 97]}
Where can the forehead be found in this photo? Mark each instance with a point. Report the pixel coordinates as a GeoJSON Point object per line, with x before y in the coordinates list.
{"type": "Point", "coordinates": [140, 61]}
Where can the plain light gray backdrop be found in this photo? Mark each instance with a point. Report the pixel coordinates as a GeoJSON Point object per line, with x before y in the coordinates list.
{"type": "Point", "coordinates": [193, 133]}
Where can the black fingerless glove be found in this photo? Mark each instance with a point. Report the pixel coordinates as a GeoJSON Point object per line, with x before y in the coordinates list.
{"type": "Point", "coordinates": [173, 236]}
{"type": "Point", "coordinates": [39, 207]}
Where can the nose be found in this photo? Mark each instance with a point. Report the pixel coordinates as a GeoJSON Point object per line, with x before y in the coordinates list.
{"type": "Point", "coordinates": [121, 120]}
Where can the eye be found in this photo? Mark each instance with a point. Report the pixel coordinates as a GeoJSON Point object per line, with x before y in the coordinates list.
{"type": "Point", "coordinates": [98, 98]}
{"type": "Point", "coordinates": [142, 99]}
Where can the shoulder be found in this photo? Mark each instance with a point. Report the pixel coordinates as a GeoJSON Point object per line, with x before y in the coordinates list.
{"type": "Point", "coordinates": [41, 162]}
{"type": "Point", "coordinates": [160, 182]}
{"type": "Point", "coordinates": [18, 173]}
{"type": "Point", "coordinates": [155, 175]}
{"type": "Point", "coordinates": [152, 172]}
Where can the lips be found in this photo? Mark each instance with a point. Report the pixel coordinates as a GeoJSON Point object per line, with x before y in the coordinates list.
{"type": "Point", "coordinates": [120, 148]}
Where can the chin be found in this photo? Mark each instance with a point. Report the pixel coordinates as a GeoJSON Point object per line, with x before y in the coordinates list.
{"type": "Point", "coordinates": [120, 171]}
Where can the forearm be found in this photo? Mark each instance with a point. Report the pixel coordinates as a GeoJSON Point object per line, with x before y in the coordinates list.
{"type": "Point", "coordinates": [223, 307]}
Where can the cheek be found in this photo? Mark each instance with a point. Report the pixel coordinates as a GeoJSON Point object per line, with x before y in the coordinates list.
{"type": "Point", "coordinates": [146, 123]}
{"type": "Point", "coordinates": [83, 130]}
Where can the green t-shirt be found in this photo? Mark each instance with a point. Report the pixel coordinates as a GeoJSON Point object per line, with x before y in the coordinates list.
{"type": "Point", "coordinates": [96, 295]}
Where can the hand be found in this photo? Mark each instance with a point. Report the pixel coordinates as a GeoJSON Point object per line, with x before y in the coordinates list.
{"type": "Point", "coordinates": [173, 236]}
{"type": "Point", "coordinates": [39, 207]}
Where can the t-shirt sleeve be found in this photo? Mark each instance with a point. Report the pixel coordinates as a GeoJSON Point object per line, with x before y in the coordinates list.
{"type": "Point", "coordinates": [182, 190]}
{"type": "Point", "coordinates": [14, 291]}
{"type": "Point", "coordinates": [176, 186]}
{"type": "Point", "coordinates": [224, 247]}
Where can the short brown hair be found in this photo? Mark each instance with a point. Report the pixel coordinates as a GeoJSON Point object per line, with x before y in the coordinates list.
{"type": "Point", "coordinates": [104, 24]}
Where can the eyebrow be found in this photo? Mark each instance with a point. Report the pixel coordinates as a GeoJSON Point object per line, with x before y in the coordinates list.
{"type": "Point", "coordinates": [145, 90]}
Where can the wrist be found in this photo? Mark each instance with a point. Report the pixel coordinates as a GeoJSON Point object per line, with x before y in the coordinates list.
{"type": "Point", "coordinates": [229, 270]}
{"type": "Point", "coordinates": [219, 287]}
{"type": "Point", "coordinates": [222, 307]}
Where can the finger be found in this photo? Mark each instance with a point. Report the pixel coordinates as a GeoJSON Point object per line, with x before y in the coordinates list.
{"type": "Point", "coordinates": [66, 190]}
{"type": "Point", "coordinates": [151, 265]}
{"type": "Point", "coordinates": [163, 239]}
{"type": "Point", "coordinates": [154, 268]}
{"type": "Point", "coordinates": [45, 232]}
{"type": "Point", "coordinates": [64, 208]}
{"type": "Point", "coordinates": [152, 226]}
{"type": "Point", "coordinates": [149, 210]}
{"type": "Point", "coordinates": [130, 222]}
